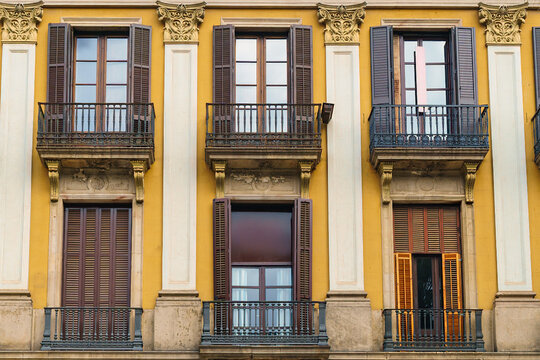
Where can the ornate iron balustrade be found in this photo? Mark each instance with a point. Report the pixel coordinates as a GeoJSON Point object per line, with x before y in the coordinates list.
{"type": "Point", "coordinates": [536, 129]}
{"type": "Point", "coordinates": [429, 126]}
{"type": "Point", "coordinates": [92, 328]}
{"type": "Point", "coordinates": [264, 322]}
{"type": "Point", "coordinates": [96, 124]}
{"type": "Point", "coordinates": [256, 125]}
{"type": "Point", "coordinates": [433, 330]}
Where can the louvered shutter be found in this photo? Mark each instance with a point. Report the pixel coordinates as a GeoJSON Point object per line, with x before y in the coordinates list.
{"type": "Point", "coordinates": [404, 295]}
{"type": "Point", "coordinates": [536, 57]}
{"type": "Point", "coordinates": [451, 232]}
{"type": "Point", "coordinates": [223, 61]}
{"type": "Point", "coordinates": [418, 230]}
{"type": "Point", "coordinates": [90, 286]}
{"type": "Point", "coordinates": [433, 227]}
{"type": "Point", "coordinates": [452, 297]}
{"type": "Point", "coordinates": [59, 73]}
{"type": "Point", "coordinates": [382, 76]}
{"type": "Point", "coordinates": [465, 80]}
{"type": "Point", "coordinates": [140, 38]}
{"type": "Point", "coordinates": [222, 249]}
{"type": "Point", "coordinates": [302, 263]}
{"type": "Point", "coordinates": [121, 258]}
{"type": "Point", "coordinates": [301, 79]}
{"type": "Point", "coordinates": [73, 243]}
{"type": "Point", "coordinates": [401, 229]}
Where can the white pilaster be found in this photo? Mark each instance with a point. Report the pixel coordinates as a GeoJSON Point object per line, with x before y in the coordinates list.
{"type": "Point", "coordinates": [16, 133]}
{"type": "Point", "coordinates": [509, 168]}
{"type": "Point", "coordinates": [180, 167]}
{"type": "Point", "coordinates": [344, 170]}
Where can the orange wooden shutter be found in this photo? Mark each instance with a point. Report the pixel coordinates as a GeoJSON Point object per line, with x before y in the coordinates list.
{"type": "Point", "coordinates": [452, 297]}
{"type": "Point", "coordinates": [404, 294]}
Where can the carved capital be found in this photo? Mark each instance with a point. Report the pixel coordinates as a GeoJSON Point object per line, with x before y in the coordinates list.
{"type": "Point", "coordinates": [341, 23]}
{"type": "Point", "coordinates": [219, 167]}
{"type": "Point", "coordinates": [181, 22]}
{"type": "Point", "coordinates": [53, 166]}
{"type": "Point", "coordinates": [502, 23]}
{"type": "Point", "coordinates": [305, 176]}
{"type": "Point", "coordinates": [470, 178]}
{"type": "Point", "coordinates": [19, 22]}
{"type": "Point", "coordinates": [139, 168]}
{"type": "Point", "coordinates": [385, 171]}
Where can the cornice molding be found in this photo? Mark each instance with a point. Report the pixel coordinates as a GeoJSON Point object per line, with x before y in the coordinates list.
{"type": "Point", "coordinates": [19, 22]}
{"type": "Point", "coordinates": [258, 22]}
{"type": "Point", "coordinates": [502, 23]}
{"type": "Point", "coordinates": [415, 24]}
{"type": "Point", "coordinates": [100, 21]}
{"type": "Point", "coordinates": [181, 22]}
{"type": "Point", "coordinates": [341, 23]}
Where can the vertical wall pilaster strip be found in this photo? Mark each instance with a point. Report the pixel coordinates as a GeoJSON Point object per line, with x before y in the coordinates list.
{"type": "Point", "coordinates": [509, 168]}
{"type": "Point", "coordinates": [16, 133]}
{"type": "Point", "coordinates": [179, 166]}
{"type": "Point", "coordinates": [344, 169]}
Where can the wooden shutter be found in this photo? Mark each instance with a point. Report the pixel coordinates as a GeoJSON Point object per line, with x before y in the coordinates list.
{"type": "Point", "coordinates": [465, 51]}
{"type": "Point", "coordinates": [302, 224]}
{"type": "Point", "coordinates": [140, 39]}
{"type": "Point", "coordinates": [224, 80]}
{"type": "Point", "coordinates": [536, 57]}
{"type": "Point", "coordinates": [433, 227]}
{"type": "Point", "coordinates": [59, 73]}
{"type": "Point", "coordinates": [121, 252]}
{"type": "Point", "coordinates": [382, 70]}
{"type": "Point", "coordinates": [73, 243]}
{"type": "Point", "coordinates": [222, 249]}
{"type": "Point", "coordinates": [301, 80]}
{"type": "Point", "coordinates": [451, 232]}
{"type": "Point", "coordinates": [452, 297]}
{"type": "Point", "coordinates": [404, 295]}
{"type": "Point", "coordinates": [401, 229]}
{"type": "Point", "coordinates": [418, 229]}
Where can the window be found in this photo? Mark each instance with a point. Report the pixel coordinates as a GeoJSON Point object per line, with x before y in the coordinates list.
{"type": "Point", "coordinates": [94, 76]}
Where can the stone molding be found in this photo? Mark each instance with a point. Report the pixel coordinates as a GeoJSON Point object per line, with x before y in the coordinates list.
{"type": "Point", "coordinates": [20, 22]}
{"type": "Point", "coordinates": [424, 24]}
{"type": "Point", "coordinates": [219, 167]}
{"type": "Point", "coordinates": [139, 168]}
{"type": "Point", "coordinates": [470, 178]}
{"type": "Point", "coordinates": [305, 176]}
{"type": "Point", "coordinates": [101, 21]}
{"type": "Point", "coordinates": [385, 171]}
{"type": "Point", "coordinates": [181, 22]}
{"type": "Point", "coordinates": [502, 23]}
{"type": "Point", "coordinates": [342, 23]}
{"type": "Point", "coordinates": [53, 167]}
{"type": "Point", "coordinates": [249, 22]}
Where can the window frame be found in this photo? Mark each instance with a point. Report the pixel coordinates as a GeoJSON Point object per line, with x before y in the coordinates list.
{"type": "Point", "coordinates": [262, 287]}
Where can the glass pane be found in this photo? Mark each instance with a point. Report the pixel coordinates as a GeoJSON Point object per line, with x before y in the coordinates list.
{"type": "Point", "coordinates": [85, 93]}
{"type": "Point", "coordinates": [87, 49]}
{"type": "Point", "coordinates": [245, 294]}
{"type": "Point", "coordinates": [246, 73]}
{"type": "Point", "coordinates": [434, 50]}
{"type": "Point", "coordinates": [116, 73]}
{"type": "Point", "coordinates": [436, 97]}
{"type": "Point", "coordinates": [410, 79]}
{"type": "Point", "coordinates": [410, 97]}
{"type": "Point", "coordinates": [436, 76]}
{"type": "Point", "coordinates": [276, 73]}
{"type": "Point", "coordinates": [424, 282]}
{"type": "Point", "coordinates": [116, 94]}
{"type": "Point", "coordinates": [276, 94]}
{"type": "Point", "coordinates": [278, 294]}
{"type": "Point", "coordinates": [86, 72]}
{"type": "Point", "coordinates": [246, 94]}
{"type": "Point", "coordinates": [246, 49]}
{"type": "Point", "coordinates": [276, 49]}
{"type": "Point", "coordinates": [278, 276]}
{"type": "Point", "coordinates": [408, 50]}
{"type": "Point", "coordinates": [117, 49]}
{"type": "Point", "coordinates": [242, 276]}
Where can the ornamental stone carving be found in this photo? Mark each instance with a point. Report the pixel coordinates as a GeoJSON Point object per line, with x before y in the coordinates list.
{"type": "Point", "coordinates": [19, 22]}
{"type": "Point", "coordinates": [181, 22]}
{"type": "Point", "coordinates": [342, 23]}
{"type": "Point", "coordinates": [502, 23]}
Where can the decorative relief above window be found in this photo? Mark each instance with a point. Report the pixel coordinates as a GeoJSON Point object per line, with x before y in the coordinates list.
{"type": "Point", "coordinates": [181, 22]}
{"type": "Point", "coordinates": [19, 22]}
{"type": "Point", "coordinates": [502, 23]}
{"type": "Point", "coordinates": [342, 23]}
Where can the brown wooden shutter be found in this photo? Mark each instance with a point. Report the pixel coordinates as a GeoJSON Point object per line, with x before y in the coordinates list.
{"type": "Point", "coordinates": [140, 38]}
{"type": "Point", "coordinates": [536, 57]}
{"type": "Point", "coordinates": [301, 79]}
{"type": "Point", "coordinates": [465, 52]}
{"type": "Point", "coordinates": [90, 254]}
{"type": "Point", "coordinates": [73, 242]}
{"type": "Point", "coordinates": [59, 74]}
{"type": "Point", "coordinates": [401, 229]}
{"type": "Point", "coordinates": [222, 249]}
{"type": "Point", "coordinates": [404, 295]}
{"type": "Point", "coordinates": [224, 80]}
{"type": "Point", "coordinates": [452, 297]}
{"type": "Point", "coordinates": [451, 232]}
{"type": "Point", "coordinates": [433, 227]}
{"type": "Point", "coordinates": [418, 222]}
{"type": "Point", "coordinates": [302, 264]}
{"type": "Point", "coordinates": [121, 252]}
{"type": "Point", "coordinates": [382, 69]}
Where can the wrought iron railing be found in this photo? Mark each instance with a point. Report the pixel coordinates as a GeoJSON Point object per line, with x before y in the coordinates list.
{"type": "Point", "coordinates": [433, 330]}
{"type": "Point", "coordinates": [264, 322]}
{"type": "Point", "coordinates": [274, 125]}
{"type": "Point", "coordinates": [429, 126]}
{"type": "Point", "coordinates": [536, 129]}
{"type": "Point", "coordinates": [96, 124]}
{"type": "Point", "coordinates": [92, 328]}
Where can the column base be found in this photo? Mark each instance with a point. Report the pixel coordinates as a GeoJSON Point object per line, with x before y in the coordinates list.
{"type": "Point", "coordinates": [516, 320]}
{"type": "Point", "coordinates": [16, 319]}
{"type": "Point", "coordinates": [177, 320]}
{"type": "Point", "coordinates": [348, 321]}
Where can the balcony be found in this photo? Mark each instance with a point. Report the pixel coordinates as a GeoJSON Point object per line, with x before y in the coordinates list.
{"type": "Point", "coordinates": [234, 327]}
{"type": "Point", "coordinates": [536, 129]}
{"type": "Point", "coordinates": [433, 330]}
{"type": "Point", "coordinates": [91, 328]}
{"type": "Point", "coordinates": [244, 133]}
{"type": "Point", "coordinates": [420, 136]}
{"type": "Point", "coordinates": [78, 134]}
